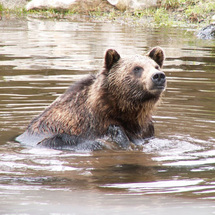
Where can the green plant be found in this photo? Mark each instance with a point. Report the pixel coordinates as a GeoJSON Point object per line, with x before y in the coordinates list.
{"type": "Point", "coordinates": [161, 17]}
{"type": "Point", "coordinates": [199, 10]}
{"type": "Point", "coordinates": [170, 4]}
{"type": "Point", "coordinates": [1, 7]}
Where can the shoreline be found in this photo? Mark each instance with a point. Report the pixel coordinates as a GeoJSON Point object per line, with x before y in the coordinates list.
{"type": "Point", "coordinates": [192, 14]}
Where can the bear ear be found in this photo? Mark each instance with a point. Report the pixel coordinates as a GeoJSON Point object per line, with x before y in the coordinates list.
{"type": "Point", "coordinates": [111, 57]}
{"type": "Point", "coordinates": [157, 54]}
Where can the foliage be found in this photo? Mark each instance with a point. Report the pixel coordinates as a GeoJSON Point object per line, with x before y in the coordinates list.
{"type": "Point", "coordinates": [167, 4]}
{"type": "Point", "coordinates": [161, 17]}
{"type": "Point", "coordinates": [199, 11]}
{"type": "Point", "coordinates": [1, 7]}
{"type": "Point", "coordinates": [186, 11]}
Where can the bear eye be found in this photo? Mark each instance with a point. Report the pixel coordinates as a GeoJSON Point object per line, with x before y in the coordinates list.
{"type": "Point", "coordinates": [157, 67]}
{"type": "Point", "coordinates": [138, 71]}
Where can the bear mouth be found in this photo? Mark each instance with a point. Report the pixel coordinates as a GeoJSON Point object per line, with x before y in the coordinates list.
{"type": "Point", "coordinates": [157, 89]}
{"type": "Point", "coordinates": [160, 87]}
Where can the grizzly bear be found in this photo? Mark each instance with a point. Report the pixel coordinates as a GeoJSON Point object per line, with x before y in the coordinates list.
{"type": "Point", "coordinates": [113, 106]}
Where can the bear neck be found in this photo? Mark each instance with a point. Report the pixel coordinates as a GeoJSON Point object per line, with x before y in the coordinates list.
{"type": "Point", "coordinates": [136, 116]}
{"type": "Point", "coordinates": [132, 116]}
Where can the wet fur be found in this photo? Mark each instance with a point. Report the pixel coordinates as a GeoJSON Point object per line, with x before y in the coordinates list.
{"type": "Point", "coordinates": [110, 103]}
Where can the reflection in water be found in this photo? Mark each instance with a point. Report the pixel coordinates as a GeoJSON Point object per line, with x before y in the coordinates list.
{"type": "Point", "coordinates": [40, 58]}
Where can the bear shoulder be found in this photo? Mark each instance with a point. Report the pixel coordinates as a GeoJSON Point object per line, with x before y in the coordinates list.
{"type": "Point", "coordinates": [78, 87]}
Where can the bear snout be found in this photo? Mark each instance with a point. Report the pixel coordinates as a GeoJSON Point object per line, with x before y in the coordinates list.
{"type": "Point", "coordinates": [159, 80]}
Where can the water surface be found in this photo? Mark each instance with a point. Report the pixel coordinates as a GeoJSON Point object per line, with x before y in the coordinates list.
{"type": "Point", "coordinates": [175, 170]}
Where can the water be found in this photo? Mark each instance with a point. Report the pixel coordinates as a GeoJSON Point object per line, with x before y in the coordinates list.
{"type": "Point", "coordinates": [173, 173]}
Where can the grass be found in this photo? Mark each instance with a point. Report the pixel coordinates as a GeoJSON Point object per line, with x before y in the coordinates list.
{"type": "Point", "coordinates": [200, 11]}
{"type": "Point", "coordinates": [190, 11]}
{"type": "Point", "coordinates": [1, 8]}
{"type": "Point", "coordinates": [181, 12]}
{"type": "Point", "coordinates": [162, 18]}
{"type": "Point", "coordinates": [12, 12]}
{"type": "Point", "coordinates": [168, 13]}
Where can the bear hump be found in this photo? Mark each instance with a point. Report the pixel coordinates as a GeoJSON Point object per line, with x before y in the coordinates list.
{"type": "Point", "coordinates": [80, 85]}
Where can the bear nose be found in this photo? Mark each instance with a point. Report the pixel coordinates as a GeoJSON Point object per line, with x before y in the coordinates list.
{"type": "Point", "coordinates": [159, 78]}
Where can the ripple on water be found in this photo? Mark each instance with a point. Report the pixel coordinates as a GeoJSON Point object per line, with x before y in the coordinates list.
{"type": "Point", "coordinates": [160, 187]}
{"type": "Point", "coordinates": [179, 160]}
{"type": "Point", "coordinates": [43, 58]}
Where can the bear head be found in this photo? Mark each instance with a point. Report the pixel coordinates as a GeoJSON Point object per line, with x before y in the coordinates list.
{"type": "Point", "coordinates": [134, 80]}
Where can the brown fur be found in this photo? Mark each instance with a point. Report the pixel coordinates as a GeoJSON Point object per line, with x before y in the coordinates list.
{"type": "Point", "coordinates": [122, 94]}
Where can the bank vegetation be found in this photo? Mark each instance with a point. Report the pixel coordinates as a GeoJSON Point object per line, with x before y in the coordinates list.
{"type": "Point", "coordinates": [188, 13]}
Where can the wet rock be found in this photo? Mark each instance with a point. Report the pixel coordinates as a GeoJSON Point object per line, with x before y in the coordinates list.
{"type": "Point", "coordinates": [207, 32]}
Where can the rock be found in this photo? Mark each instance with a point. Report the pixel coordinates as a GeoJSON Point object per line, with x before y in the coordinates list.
{"type": "Point", "coordinates": [207, 32]}
{"type": "Point", "coordinates": [76, 5]}
{"type": "Point", "coordinates": [50, 4]}
{"type": "Point", "coordinates": [133, 4]}
{"type": "Point", "coordinates": [84, 5]}
{"type": "Point", "coordinates": [13, 4]}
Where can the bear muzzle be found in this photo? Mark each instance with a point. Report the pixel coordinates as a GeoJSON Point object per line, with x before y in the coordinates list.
{"type": "Point", "coordinates": [159, 80]}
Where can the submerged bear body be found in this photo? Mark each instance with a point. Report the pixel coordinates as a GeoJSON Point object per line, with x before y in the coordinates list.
{"type": "Point", "coordinates": [115, 105]}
